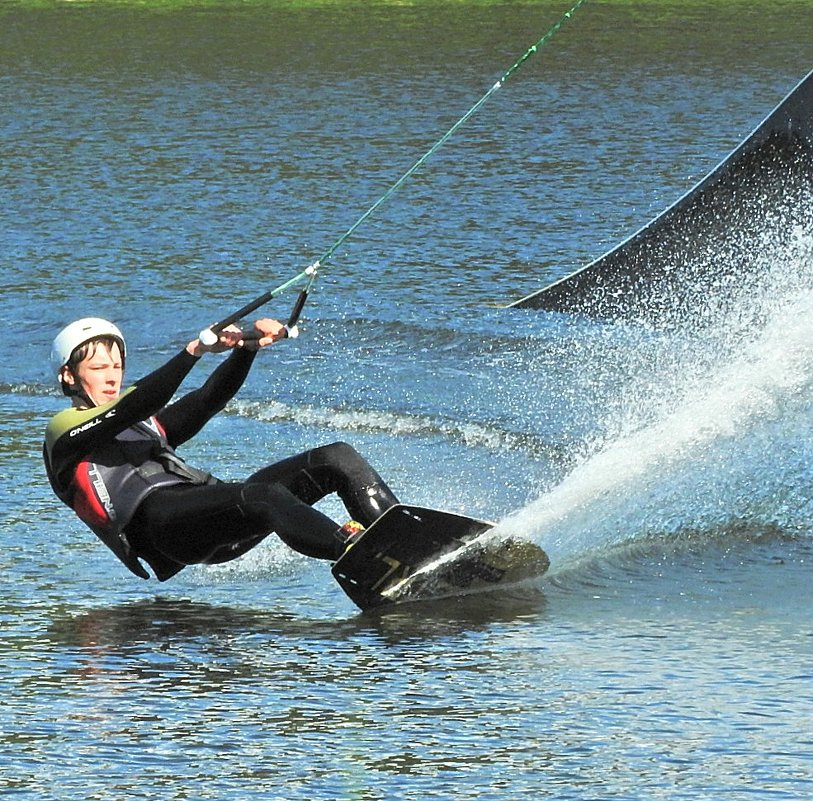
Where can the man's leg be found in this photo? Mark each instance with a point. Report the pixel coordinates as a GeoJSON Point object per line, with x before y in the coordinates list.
{"type": "Point", "coordinates": [217, 522]}
{"type": "Point", "coordinates": [338, 468]}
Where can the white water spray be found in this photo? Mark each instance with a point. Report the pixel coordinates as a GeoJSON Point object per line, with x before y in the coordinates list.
{"type": "Point", "coordinates": [730, 445]}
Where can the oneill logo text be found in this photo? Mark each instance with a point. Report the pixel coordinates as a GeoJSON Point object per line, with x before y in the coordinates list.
{"type": "Point", "coordinates": [85, 427]}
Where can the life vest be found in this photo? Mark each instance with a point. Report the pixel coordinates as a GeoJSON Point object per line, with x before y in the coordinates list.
{"type": "Point", "coordinates": [109, 485]}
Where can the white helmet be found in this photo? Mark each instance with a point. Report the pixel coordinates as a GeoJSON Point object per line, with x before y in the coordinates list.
{"type": "Point", "coordinates": [76, 334]}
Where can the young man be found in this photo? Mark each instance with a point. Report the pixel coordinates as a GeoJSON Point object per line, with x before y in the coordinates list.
{"type": "Point", "coordinates": [111, 458]}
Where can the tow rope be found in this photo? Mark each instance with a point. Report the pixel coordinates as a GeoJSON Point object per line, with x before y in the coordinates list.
{"type": "Point", "coordinates": [209, 335]}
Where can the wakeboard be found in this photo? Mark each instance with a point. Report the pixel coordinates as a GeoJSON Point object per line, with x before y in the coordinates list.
{"type": "Point", "coordinates": [412, 553]}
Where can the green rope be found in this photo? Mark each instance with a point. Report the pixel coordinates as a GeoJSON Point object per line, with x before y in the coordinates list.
{"type": "Point", "coordinates": [533, 49]}
{"type": "Point", "coordinates": [310, 272]}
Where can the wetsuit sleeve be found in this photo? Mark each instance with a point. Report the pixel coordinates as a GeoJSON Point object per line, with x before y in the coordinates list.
{"type": "Point", "coordinates": [74, 433]}
{"type": "Point", "coordinates": [185, 418]}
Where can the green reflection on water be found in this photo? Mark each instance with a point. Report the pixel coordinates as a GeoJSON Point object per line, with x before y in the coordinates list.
{"type": "Point", "coordinates": [273, 4]}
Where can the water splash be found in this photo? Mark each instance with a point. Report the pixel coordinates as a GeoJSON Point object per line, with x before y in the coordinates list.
{"type": "Point", "coordinates": [715, 435]}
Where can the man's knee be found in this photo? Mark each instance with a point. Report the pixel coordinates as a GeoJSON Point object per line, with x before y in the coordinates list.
{"type": "Point", "coordinates": [263, 499]}
{"type": "Point", "coordinates": [338, 454]}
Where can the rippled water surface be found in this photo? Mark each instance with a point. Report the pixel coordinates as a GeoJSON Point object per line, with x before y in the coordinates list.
{"type": "Point", "coordinates": [161, 165]}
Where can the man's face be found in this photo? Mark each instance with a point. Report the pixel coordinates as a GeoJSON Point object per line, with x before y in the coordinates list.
{"type": "Point", "coordinates": [99, 374]}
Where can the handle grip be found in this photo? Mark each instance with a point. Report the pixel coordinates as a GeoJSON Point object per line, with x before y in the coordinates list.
{"type": "Point", "coordinates": [209, 336]}
{"type": "Point", "coordinates": [288, 332]}
{"type": "Point", "coordinates": [301, 298]}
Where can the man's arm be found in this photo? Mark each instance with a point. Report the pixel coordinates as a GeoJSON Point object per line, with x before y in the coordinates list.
{"type": "Point", "coordinates": [183, 419]}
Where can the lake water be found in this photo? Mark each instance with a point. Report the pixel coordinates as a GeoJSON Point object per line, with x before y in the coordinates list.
{"type": "Point", "coordinates": [162, 165]}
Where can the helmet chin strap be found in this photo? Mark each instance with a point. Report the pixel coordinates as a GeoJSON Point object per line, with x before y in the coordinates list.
{"type": "Point", "coordinates": [90, 400]}
{"type": "Point", "coordinates": [82, 398]}
{"type": "Point", "coordinates": [76, 392]}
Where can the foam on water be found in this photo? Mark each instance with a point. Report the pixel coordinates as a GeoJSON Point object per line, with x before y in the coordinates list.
{"type": "Point", "coordinates": [399, 424]}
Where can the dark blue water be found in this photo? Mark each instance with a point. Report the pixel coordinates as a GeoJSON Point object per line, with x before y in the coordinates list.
{"type": "Point", "coordinates": [161, 167]}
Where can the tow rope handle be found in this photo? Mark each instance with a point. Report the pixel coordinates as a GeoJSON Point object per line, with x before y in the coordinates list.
{"type": "Point", "coordinates": [209, 336]}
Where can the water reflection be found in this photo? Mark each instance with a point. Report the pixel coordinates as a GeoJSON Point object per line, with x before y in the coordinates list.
{"type": "Point", "coordinates": [162, 622]}
{"type": "Point", "coordinates": [460, 615]}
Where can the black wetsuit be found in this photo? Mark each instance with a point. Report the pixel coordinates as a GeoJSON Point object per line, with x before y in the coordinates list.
{"type": "Point", "coordinates": [116, 466]}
